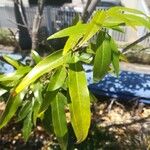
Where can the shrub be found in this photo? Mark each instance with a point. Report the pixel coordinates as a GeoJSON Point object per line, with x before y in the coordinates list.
{"type": "Point", "coordinates": [57, 84]}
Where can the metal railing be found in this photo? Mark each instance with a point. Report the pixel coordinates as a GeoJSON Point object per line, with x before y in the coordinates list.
{"type": "Point", "coordinates": [56, 18]}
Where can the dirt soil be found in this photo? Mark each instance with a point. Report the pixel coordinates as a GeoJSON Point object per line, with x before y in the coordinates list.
{"type": "Point", "coordinates": [114, 126]}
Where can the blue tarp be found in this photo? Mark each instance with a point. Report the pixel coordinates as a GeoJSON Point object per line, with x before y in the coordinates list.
{"type": "Point", "coordinates": [128, 86]}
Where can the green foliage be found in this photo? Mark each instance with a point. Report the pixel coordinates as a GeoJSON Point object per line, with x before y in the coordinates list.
{"type": "Point", "coordinates": [6, 37]}
{"type": "Point", "coordinates": [57, 84]}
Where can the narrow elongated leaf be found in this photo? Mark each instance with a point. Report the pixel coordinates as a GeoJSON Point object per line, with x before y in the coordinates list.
{"type": "Point", "coordinates": [49, 96]}
{"type": "Point", "coordinates": [15, 75]}
{"type": "Point", "coordinates": [115, 56]}
{"type": "Point", "coordinates": [94, 26]}
{"type": "Point", "coordinates": [57, 79]}
{"type": "Point", "coordinates": [36, 57]}
{"type": "Point", "coordinates": [27, 126]}
{"type": "Point", "coordinates": [46, 65]}
{"type": "Point", "coordinates": [58, 115]}
{"type": "Point", "coordinates": [114, 46]}
{"type": "Point", "coordinates": [59, 118]}
{"type": "Point", "coordinates": [115, 62]}
{"type": "Point", "coordinates": [119, 9]}
{"type": "Point", "coordinates": [74, 39]}
{"type": "Point", "coordinates": [11, 107]}
{"type": "Point", "coordinates": [25, 110]}
{"type": "Point", "coordinates": [11, 61]}
{"type": "Point", "coordinates": [73, 30]}
{"type": "Point", "coordinates": [102, 60]}
{"type": "Point", "coordinates": [138, 20]}
{"type": "Point", "coordinates": [37, 101]}
{"type": "Point", "coordinates": [80, 101]}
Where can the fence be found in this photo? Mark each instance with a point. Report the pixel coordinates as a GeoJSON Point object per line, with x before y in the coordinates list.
{"type": "Point", "coordinates": [54, 19]}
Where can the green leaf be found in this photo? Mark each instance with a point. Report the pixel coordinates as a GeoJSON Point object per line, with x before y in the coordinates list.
{"type": "Point", "coordinates": [122, 57]}
{"type": "Point", "coordinates": [80, 101]}
{"type": "Point", "coordinates": [73, 30]}
{"type": "Point", "coordinates": [37, 91]}
{"type": "Point", "coordinates": [25, 110]}
{"type": "Point", "coordinates": [115, 56]}
{"type": "Point", "coordinates": [115, 62]}
{"type": "Point", "coordinates": [47, 120]}
{"type": "Point", "coordinates": [74, 38]}
{"type": "Point", "coordinates": [102, 60]}
{"type": "Point", "coordinates": [27, 126]}
{"type": "Point", "coordinates": [85, 57]}
{"type": "Point", "coordinates": [114, 46]}
{"type": "Point", "coordinates": [49, 96]}
{"type": "Point", "coordinates": [119, 9]}
{"type": "Point", "coordinates": [59, 119]}
{"type": "Point", "coordinates": [95, 25]}
{"type": "Point", "coordinates": [46, 65]}
{"type": "Point", "coordinates": [36, 57]}
{"type": "Point", "coordinates": [11, 107]}
{"type": "Point", "coordinates": [57, 80]}
{"type": "Point", "coordinates": [12, 61]}
{"type": "Point", "coordinates": [138, 20]}
{"type": "Point", "coordinates": [16, 75]}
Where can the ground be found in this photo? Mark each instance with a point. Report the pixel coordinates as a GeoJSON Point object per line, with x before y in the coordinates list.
{"type": "Point", "coordinates": [114, 126]}
{"type": "Point", "coordinates": [117, 126]}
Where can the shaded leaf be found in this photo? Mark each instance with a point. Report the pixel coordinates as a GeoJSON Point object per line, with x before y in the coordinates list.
{"type": "Point", "coordinates": [59, 119]}
{"type": "Point", "coordinates": [57, 80]}
{"type": "Point", "coordinates": [27, 126]}
{"type": "Point", "coordinates": [25, 110]}
{"type": "Point", "coordinates": [49, 96]}
{"type": "Point", "coordinates": [11, 108]}
{"type": "Point", "coordinates": [58, 115]}
{"type": "Point", "coordinates": [102, 60]}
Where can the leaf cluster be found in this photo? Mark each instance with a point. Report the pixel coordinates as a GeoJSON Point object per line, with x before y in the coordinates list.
{"type": "Point", "coordinates": [56, 85]}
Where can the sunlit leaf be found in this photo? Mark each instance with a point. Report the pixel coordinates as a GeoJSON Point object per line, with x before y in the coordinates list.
{"type": "Point", "coordinates": [140, 21]}
{"type": "Point", "coordinates": [73, 30]}
{"type": "Point", "coordinates": [119, 9]}
{"type": "Point", "coordinates": [95, 25]}
{"type": "Point", "coordinates": [15, 75]}
{"type": "Point", "coordinates": [11, 61]}
{"type": "Point", "coordinates": [36, 57]}
{"type": "Point", "coordinates": [46, 65]}
{"type": "Point", "coordinates": [80, 101]}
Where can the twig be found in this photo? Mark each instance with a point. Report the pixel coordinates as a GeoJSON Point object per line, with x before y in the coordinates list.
{"type": "Point", "coordinates": [136, 42]}
{"type": "Point", "coordinates": [110, 105]}
{"type": "Point", "coordinates": [16, 42]}
{"type": "Point", "coordinates": [17, 23]}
